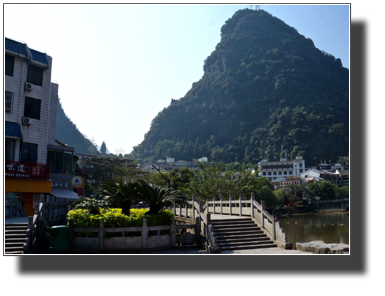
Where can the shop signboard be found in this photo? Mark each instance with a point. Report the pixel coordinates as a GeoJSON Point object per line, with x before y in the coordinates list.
{"type": "Point", "coordinates": [10, 197]}
{"type": "Point", "coordinates": [80, 191]}
{"type": "Point", "coordinates": [77, 182]}
{"type": "Point", "coordinates": [26, 170]}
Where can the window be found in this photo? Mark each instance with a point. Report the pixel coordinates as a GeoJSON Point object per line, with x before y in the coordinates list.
{"type": "Point", "coordinates": [9, 65]}
{"type": "Point", "coordinates": [274, 173]}
{"type": "Point", "coordinates": [35, 75]}
{"type": "Point", "coordinates": [290, 172]}
{"type": "Point", "coordinates": [279, 173]}
{"type": "Point", "coordinates": [8, 102]}
{"type": "Point", "coordinates": [300, 171]}
{"type": "Point", "coordinates": [264, 173]}
{"type": "Point", "coordinates": [59, 162]}
{"type": "Point", "coordinates": [269, 173]}
{"type": "Point", "coordinates": [28, 152]}
{"type": "Point", "coordinates": [9, 150]}
{"type": "Point", "coordinates": [67, 162]}
{"type": "Point", "coordinates": [32, 108]}
{"type": "Point", "coordinates": [300, 165]}
{"type": "Point", "coordinates": [51, 160]}
{"type": "Point", "coordinates": [285, 172]}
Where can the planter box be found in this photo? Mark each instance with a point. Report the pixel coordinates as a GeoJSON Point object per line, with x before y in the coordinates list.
{"type": "Point", "coordinates": [121, 243]}
{"type": "Point", "coordinates": [144, 241]}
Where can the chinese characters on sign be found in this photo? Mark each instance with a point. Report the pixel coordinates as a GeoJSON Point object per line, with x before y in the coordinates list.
{"type": "Point", "coordinates": [290, 182]}
{"type": "Point", "coordinates": [26, 170]}
{"type": "Point", "coordinates": [36, 171]}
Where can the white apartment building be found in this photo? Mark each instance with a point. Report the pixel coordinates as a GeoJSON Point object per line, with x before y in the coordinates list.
{"type": "Point", "coordinates": [283, 168]}
{"type": "Point", "coordinates": [30, 125]}
{"type": "Point", "coordinates": [30, 103]}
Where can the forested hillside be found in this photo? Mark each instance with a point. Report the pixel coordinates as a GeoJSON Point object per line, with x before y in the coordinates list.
{"type": "Point", "coordinates": [265, 88]}
{"type": "Point", "coordinates": [67, 133]}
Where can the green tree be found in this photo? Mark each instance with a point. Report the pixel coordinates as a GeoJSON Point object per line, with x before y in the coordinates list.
{"type": "Point", "coordinates": [180, 177]}
{"type": "Point", "coordinates": [281, 196]}
{"type": "Point", "coordinates": [218, 179]}
{"type": "Point", "coordinates": [105, 168]}
{"type": "Point", "coordinates": [157, 178]}
{"type": "Point", "coordinates": [323, 189]}
{"type": "Point", "coordinates": [103, 148]}
{"type": "Point", "coordinates": [297, 190]}
{"type": "Point", "coordinates": [121, 194]}
{"type": "Point", "coordinates": [343, 192]}
{"type": "Point", "coordinates": [158, 197]}
{"type": "Point", "coordinates": [265, 191]}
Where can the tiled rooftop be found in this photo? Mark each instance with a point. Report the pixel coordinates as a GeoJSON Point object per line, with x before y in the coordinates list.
{"type": "Point", "coordinates": [38, 56]}
{"type": "Point", "coordinates": [18, 47]}
{"type": "Point", "coordinates": [12, 129]}
{"type": "Point", "coordinates": [15, 46]}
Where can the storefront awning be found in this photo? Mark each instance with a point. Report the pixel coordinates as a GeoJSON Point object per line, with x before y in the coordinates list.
{"type": "Point", "coordinates": [64, 193]}
{"type": "Point", "coordinates": [12, 129]}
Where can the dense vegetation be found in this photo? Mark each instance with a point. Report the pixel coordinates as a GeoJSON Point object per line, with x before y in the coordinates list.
{"type": "Point", "coordinates": [265, 88]}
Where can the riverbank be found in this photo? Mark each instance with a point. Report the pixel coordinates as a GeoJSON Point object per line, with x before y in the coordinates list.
{"type": "Point", "coordinates": [317, 212]}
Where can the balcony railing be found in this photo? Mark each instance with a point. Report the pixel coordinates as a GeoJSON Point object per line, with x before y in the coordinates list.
{"type": "Point", "coordinates": [26, 170]}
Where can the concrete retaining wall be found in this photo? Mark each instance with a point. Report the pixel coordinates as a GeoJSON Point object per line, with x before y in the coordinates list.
{"type": "Point", "coordinates": [330, 205]}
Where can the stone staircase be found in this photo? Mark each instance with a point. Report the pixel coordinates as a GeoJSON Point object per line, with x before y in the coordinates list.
{"type": "Point", "coordinates": [15, 238]}
{"type": "Point", "coordinates": [239, 234]}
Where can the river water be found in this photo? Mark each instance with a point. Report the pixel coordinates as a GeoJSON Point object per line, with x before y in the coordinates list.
{"type": "Point", "coordinates": [328, 227]}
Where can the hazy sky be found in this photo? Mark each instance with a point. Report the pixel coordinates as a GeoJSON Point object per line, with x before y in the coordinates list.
{"type": "Point", "coordinates": [119, 65]}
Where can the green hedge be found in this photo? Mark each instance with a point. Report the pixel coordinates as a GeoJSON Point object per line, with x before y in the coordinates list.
{"type": "Point", "coordinates": [114, 218]}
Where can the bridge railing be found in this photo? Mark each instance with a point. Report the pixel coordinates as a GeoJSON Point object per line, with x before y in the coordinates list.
{"type": "Point", "coordinates": [240, 207]}
{"type": "Point", "coordinates": [194, 209]}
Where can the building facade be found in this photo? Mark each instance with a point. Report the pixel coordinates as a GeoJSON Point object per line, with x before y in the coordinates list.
{"type": "Point", "coordinates": [283, 168]}
{"type": "Point", "coordinates": [169, 164]}
{"type": "Point", "coordinates": [30, 123]}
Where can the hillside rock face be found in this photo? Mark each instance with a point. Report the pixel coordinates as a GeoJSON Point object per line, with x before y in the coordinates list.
{"type": "Point", "coordinates": [265, 89]}
{"type": "Point", "coordinates": [68, 133]}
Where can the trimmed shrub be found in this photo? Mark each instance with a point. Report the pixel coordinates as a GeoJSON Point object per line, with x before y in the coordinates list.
{"type": "Point", "coordinates": [114, 218]}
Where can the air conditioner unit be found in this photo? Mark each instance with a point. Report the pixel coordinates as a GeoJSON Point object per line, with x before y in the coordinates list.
{"type": "Point", "coordinates": [27, 120]}
{"type": "Point", "coordinates": [28, 86]}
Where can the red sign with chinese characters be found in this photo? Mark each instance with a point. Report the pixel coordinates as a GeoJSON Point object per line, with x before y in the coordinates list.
{"type": "Point", "coordinates": [80, 191]}
{"type": "Point", "coordinates": [26, 170]}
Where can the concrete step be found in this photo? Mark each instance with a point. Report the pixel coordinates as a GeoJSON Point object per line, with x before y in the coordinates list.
{"type": "Point", "coordinates": [244, 243]}
{"type": "Point", "coordinates": [241, 239]}
{"type": "Point", "coordinates": [237, 232]}
{"type": "Point", "coordinates": [15, 231]}
{"type": "Point", "coordinates": [239, 226]}
{"type": "Point", "coordinates": [16, 236]}
{"type": "Point", "coordinates": [240, 234]}
{"type": "Point", "coordinates": [14, 240]}
{"type": "Point", "coordinates": [230, 221]}
{"type": "Point", "coordinates": [14, 249]}
{"type": "Point", "coordinates": [230, 248]}
{"type": "Point", "coordinates": [14, 252]}
{"type": "Point", "coordinates": [13, 244]}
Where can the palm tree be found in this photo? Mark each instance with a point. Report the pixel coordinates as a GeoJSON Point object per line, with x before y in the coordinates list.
{"type": "Point", "coordinates": [157, 197]}
{"type": "Point", "coordinates": [121, 193]}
